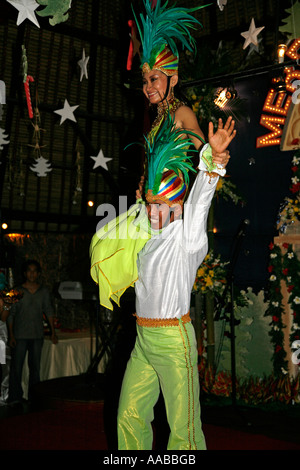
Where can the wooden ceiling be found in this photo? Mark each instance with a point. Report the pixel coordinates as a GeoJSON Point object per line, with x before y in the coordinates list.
{"type": "Point", "coordinates": [110, 106]}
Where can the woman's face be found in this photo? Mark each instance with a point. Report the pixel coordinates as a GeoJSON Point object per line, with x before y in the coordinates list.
{"type": "Point", "coordinates": [155, 85]}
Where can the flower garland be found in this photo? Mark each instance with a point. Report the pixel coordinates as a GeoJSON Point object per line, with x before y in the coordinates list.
{"type": "Point", "coordinates": [276, 310]}
{"type": "Point", "coordinates": [284, 266]}
{"type": "Point", "coordinates": [289, 211]}
{"type": "Point", "coordinates": [291, 275]}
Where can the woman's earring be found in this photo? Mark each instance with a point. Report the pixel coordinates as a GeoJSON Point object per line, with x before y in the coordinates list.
{"type": "Point", "coordinates": [172, 94]}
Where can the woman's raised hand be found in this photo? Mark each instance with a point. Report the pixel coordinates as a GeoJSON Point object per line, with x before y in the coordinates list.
{"type": "Point", "coordinates": [220, 140]}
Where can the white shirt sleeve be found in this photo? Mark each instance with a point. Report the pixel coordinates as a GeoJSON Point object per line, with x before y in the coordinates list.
{"type": "Point", "coordinates": [197, 206]}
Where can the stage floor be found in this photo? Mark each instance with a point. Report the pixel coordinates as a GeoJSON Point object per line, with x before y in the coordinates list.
{"type": "Point", "coordinates": [91, 401]}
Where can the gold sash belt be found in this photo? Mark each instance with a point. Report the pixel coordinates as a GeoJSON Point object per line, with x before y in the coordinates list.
{"type": "Point", "coordinates": [156, 322]}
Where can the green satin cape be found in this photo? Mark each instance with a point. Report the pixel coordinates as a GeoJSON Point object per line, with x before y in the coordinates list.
{"type": "Point", "coordinates": [113, 253]}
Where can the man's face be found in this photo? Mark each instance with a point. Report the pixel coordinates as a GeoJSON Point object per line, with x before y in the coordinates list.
{"type": "Point", "coordinates": [161, 215]}
{"type": "Point", "coordinates": [32, 273]}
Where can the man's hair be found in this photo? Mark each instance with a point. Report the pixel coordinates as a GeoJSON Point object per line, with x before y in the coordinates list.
{"type": "Point", "coordinates": [31, 262]}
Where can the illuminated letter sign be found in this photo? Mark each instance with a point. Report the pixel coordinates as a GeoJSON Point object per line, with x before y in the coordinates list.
{"type": "Point", "coordinates": [278, 104]}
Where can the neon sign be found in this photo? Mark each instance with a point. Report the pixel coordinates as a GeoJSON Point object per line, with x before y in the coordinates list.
{"type": "Point", "coordinates": [282, 108]}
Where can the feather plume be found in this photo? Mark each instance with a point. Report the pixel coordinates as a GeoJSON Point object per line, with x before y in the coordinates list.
{"type": "Point", "coordinates": [162, 25]}
{"type": "Point", "coordinates": [167, 150]}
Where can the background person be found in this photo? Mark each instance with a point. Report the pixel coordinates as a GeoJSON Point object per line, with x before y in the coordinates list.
{"type": "Point", "coordinates": [26, 330]}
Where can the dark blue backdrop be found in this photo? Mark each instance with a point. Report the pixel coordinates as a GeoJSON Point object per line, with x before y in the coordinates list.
{"type": "Point", "coordinates": [264, 183]}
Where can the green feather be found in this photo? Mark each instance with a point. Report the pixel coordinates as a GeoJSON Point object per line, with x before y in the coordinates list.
{"type": "Point", "coordinates": [163, 25]}
{"type": "Point", "coordinates": [167, 150]}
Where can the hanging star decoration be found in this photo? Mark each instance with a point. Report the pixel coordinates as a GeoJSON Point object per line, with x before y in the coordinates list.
{"type": "Point", "coordinates": [67, 112]}
{"type": "Point", "coordinates": [83, 65]}
{"type": "Point", "coordinates": [100, 160]}
{"type": "Point", "coordinates": [254, 48]}
{"type": "Point", "coordinates": [251, 35]}
{"type": "Point", "coordinates": [3, 137]}
{"type": "Point", "coordinates": [26, 10]}
{"type": "Point", "coordinates": [221, 4]}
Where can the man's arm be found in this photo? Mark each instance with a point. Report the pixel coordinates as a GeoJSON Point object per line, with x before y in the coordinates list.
{"type": "Point", "coordinates": [199, 201]}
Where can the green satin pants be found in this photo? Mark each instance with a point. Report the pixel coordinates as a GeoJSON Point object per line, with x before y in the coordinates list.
{"type": "Point", "coordinates": [163, 357]}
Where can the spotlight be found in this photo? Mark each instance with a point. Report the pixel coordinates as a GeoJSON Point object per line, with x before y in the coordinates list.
{"type": "Point", "coordinates": [223, 95]}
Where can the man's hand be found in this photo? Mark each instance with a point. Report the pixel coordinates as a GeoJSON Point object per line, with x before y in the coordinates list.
{"type": "Point", "coordinates": [221, 158]}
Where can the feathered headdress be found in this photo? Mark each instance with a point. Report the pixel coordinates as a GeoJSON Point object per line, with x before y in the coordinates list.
{"type": "Point", "coordinates": [168, 164]}
{"type": "Point", "coordinates": [159, 29]}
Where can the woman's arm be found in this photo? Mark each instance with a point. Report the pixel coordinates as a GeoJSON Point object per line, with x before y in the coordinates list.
{"type": "Point", "coordinates": [186, 119]}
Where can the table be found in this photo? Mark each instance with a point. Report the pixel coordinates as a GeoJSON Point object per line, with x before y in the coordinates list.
{"type": "Point", "coordinates": [72, 355]}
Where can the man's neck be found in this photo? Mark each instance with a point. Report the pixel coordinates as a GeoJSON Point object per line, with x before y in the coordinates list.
{"type": "Point", "coordinates": [31, 286]}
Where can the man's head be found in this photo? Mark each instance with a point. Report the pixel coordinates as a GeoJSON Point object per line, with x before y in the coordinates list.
{"type": "Point", "coordinates": [165, 205]}
{"type": "Point", "coordinates": [160, 215]}
{"type": "Point", "coordinates": [31, 270]}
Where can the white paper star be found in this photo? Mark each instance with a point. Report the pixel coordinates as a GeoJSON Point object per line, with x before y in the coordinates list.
{"type": "Point", "coordinates": [26, 10]}
{"type": "Point", "coordinates": [100, 160]}
{"type": "Point", "coordinates": [66, 112]}
{"type": "Point", "coordinates": [251, 34]}
{"type": "Point", "coordinates": [221, 4]}
{"type": "Point", "coordinates": [83, 65]}
{"type": "Point", "coordinates": [253, 48]}
{"type": "Point", "coordinates": [3, 137]}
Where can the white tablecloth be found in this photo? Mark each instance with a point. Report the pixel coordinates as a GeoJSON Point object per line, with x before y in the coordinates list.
{"type": "Point", "coordinates": [72, 355]}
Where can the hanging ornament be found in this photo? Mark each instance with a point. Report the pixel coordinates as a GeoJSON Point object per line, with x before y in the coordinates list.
{"type": "Point", "coordinates": [36, 126]}
{"type": "Point", "coordinates": [26, 10]}
{"type": "Point", "coordinates": [100, 160]}
{"type": "Point", "coordinates": [78, 184]}
{"type": "Point", "coordinates": [57, 9]}
{"type": "Point", "coordinates": [134, 44]}
{"type": "Point", "coordinates": [291, 25]}
{"type": "Point", "coordinates": [67, 112]}
{"type": "Point", "coordinates": [253, 48]}
{"type": "Point", "coordinates": [26, 80]}
{"type": "Point", "coordinates": [251, 35]}
{"type": "Point", "coordinates": [2, 93]}
{"type": "Point", "coordinates": [221, 4]}
{"type": "Point", "coordinates": [3, 136]}
{"type": "Point", "coordinates": [41, 167]}
{"type": "Point", "coordinates": [83, 65]}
